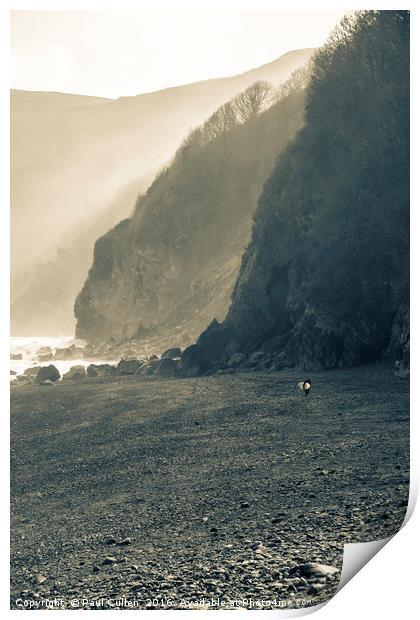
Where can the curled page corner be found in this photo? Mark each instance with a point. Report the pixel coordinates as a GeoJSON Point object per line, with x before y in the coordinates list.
{"type": "Point", "coordinates": [357, 555]}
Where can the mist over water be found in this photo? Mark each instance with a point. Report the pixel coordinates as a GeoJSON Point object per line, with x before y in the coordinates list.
{"type": "Point", "coordinates": [28, 347]}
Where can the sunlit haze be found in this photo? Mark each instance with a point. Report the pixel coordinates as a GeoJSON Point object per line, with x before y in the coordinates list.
{"type": "Point", "coordinates": [116, 53]}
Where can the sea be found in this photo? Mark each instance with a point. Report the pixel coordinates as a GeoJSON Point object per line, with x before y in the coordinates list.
{"type": "Point", "coordinates": [28, 347]}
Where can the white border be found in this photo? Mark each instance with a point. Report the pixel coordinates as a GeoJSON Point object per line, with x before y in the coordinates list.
{"type": "Point", "coordinates": [387, 584]}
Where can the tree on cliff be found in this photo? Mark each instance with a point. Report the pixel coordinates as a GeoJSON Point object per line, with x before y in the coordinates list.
{"type": "Point", "coordinates": [327, 267]}
{"type": "Point", "coordinates": [170, 268]}
{"type": "Point", "coordinates": [246, 106]}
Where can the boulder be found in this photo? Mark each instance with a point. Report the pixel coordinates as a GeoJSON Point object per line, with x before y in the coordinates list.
{"type": "Point", "coordinates": [47, 372]}
{"type": "Point", "coordinates": [92, 371]}
{"type": "Point", "coordinates": [22, 379]}
{"type": "Point", "coordinates": [76, 373]}
{"type": "Point", "coordinates": [32, 371]}
{"type": "Point", "coordinates": [106, 370]}
{"type": "Point", "coordinates": [148, 368]}
{"type": "Point", "coordinates": [13, 372]}
{"type": "Point", "coordinates": [16, 356]}
{"type": "Point", "coordinates": [236, 360]}
{"type": "Point", "coordinates": [153, 357]}
{"type": "Point", "coordinates": [172, 354]}
{"type": "Point", "coordinates": [214, 340]}
{"type": "Point", "coordinates": [45, 357]}
{"type": "Point", "coordinates": [193, 361]}
{"type": "Point", "coordinates": [61, 354]}
{"type": "Point", "coordinates": [101, 370]}
{"type": "Point", "coordinates": [68, 353]}
{"type": "Point", "coordinates": [166, 367]}
{"type": "Point", "coordinates": [128, 366]}
{"type": "Point", "coordinates": [231, 348]}
{"type": "Point", "coordinates": [313, 569]}
{"type": "Point", "coordinates": [214, 368]}
{"type": "Point", "coordinates": [44, 351]}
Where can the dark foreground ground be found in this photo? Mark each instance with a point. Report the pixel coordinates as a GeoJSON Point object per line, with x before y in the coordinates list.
{"type": "Point", "coordinates": [223, 485]}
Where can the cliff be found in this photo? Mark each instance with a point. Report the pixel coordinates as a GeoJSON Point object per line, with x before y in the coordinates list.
{"type": "Point", "coordinates": [170, 268]}
{"type": "Point", "coordinates": [72, 157]}
{"type": "Point", "coordinates": [324, 282]}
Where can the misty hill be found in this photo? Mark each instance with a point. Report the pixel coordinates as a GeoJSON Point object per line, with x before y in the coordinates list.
{"type": "Point", "coordinates": [47, 300]}
{"type": "Point", "coordinates": [71, 155]}
{"type": "Point", "coordinates": [324, 282]}
{"type": "Point", "coordinates": [170, 268]}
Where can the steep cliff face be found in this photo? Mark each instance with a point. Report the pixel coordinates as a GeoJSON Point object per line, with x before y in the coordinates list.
{"type": "Point", "coordinates": [324, 281]}
{"type": "Point", "coordinates": [170, 268]}
{"type": "Point", "coordinates": [71, 156]}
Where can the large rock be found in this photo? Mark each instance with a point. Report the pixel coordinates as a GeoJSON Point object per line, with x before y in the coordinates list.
{"type": "Point", "coordinates": [106, 370]}
{"type": "Point", "coordinates": [22, 380]}
{"type": "Point", "coordinates": [193, 361]}
{"type": "Point", "coordinates": [214, 340]}
{"type": "Point", "coordinates": [68, 353]}
{"type": "Point", "coordinates": [172, 354]}
{"type": "Point", "coordinates": [44, 350]}
{"type": "Point", "coordinates": [91, 370]}
{"type": "Point", "coordinates": [49, 373]}
{"type": "Point", "coordinates": [148, 368]}
{"type": "Point", "coordinates": [215, 367]}
{"type": "Point", "coordinates": [210, 349]}
{"type": "Point", "coordinates": [101, 370]}
{"type": "Point", "coordinates": [45, 357]}
{"type": "Point", "coordinates": [16, 356]}
{"type": "Point", "coordinates": [166, 367]}
{"type": "Point", "coordinates": [128, 366]}
{"type": "Point", "coordinates": [76, 373]}
{"type": "Point", "coordinates": [231, 348]}
{"type": "Point", "coordinates": [313, 569]}
{"type": "Point", "coordinates": [32, 371]}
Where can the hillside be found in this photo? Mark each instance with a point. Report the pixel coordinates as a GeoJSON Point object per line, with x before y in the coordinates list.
{"type": "Point", "coordinates": [71, 156]}
{"type": "Point", "coordinates": [324, 282]}
{"type": "Point", "coordinates": [45, 305]}
{"type": "Point", "coordinates": [170, 268]}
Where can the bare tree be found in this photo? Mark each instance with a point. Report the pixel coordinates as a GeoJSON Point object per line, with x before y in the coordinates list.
{"type": "Point", "coordinates": [194, 139]}
{"type": "Point", "coordinates": [220, 122]}
{"type": "Point", "coordinates": [253, 100]}
{"type": "Point", "coordinates": [298, 80]}
{"type": "Point", "coordinates": [248, 104]}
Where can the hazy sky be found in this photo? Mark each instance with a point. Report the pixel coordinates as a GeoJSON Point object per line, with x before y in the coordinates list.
{"type": "Point", "coordinates": [115, 53]}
